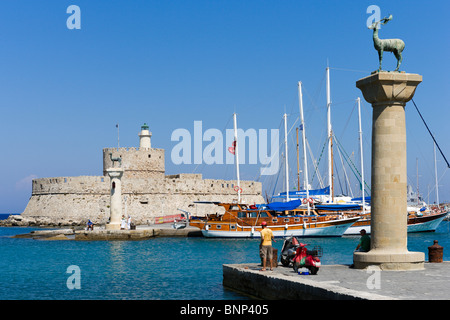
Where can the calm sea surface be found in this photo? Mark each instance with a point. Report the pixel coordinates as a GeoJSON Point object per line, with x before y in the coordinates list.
{"type": "Point", "coordinates": [160, 268]}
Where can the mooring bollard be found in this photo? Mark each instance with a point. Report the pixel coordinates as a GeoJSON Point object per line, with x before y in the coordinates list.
{"type": "Point", "coordinates": [435, 252]}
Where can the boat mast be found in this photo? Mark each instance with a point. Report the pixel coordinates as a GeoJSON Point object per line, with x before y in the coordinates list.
{"type": "Point", "coordinates": [362, 160]}
{"type": "Point", "coordinates": [236, 153]}
{"type": "Point", "coordinates": [305, 160]}
{"type": "Point", "coordinates": [286, 156]}
{"type": "Point", "coordinates": [330, 142]}
{"type": "Point", "coordinates": [417, 169]}
{"type": "Point", "coordinates": [298, 163]}
{"type": "Point", "coordinates": [435, 175]}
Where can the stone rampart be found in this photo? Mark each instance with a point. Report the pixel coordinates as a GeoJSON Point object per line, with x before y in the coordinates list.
{"type": "Point", "coordinates": [148, 163]}
{"type": "Point", "coordinates": [77, 199]}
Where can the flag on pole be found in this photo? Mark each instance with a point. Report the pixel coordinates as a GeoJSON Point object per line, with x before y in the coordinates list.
{"type": "Point", "coordinates": [232, 149]}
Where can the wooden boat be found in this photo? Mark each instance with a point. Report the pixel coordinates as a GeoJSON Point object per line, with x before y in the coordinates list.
{"type": "Point", "coordinates": [243, 221]}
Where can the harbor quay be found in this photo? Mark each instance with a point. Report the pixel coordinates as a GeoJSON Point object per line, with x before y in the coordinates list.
{"type": "Point", "coordinates": [340, 282]}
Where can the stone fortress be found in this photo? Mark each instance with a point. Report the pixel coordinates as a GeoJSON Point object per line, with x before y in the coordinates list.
{"type": "Point", "coordinates": [147, 193]}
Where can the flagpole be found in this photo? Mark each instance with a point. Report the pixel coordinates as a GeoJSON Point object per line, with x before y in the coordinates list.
{"type": "Point", "coordinates": [118, 140]}
{"type": "Point", "coordinates": [236, 157]}
{"type": "Point", "coordinates": [305, 160]}
{"type": "Point", "coordinates": [286, 157]}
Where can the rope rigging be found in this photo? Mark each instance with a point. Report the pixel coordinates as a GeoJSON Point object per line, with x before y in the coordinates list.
{"type": "Point", "coordinates": [448, 165]}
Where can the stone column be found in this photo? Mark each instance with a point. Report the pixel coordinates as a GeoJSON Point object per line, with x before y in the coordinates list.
{"type": "Point", "coordinates": [116, 198]}
{"type": "Point", "coordinates": [388, 93]}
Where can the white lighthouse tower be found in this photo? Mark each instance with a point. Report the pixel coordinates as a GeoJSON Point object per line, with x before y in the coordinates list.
{"type": "Point", "coordinates": [144, 138]}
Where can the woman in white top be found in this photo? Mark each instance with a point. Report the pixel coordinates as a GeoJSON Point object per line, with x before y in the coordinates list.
{"type": "Point", "coordinates": [123, 223]}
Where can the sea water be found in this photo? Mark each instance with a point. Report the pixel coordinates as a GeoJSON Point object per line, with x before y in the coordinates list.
{"type": "Point", "coordinates": [156, 269]}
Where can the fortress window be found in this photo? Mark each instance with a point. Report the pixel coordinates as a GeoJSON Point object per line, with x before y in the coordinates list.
{"type": "Point", "coordinates": [102, 179]}
{"type": "Point", "coordinates": [149, 155]}
{"type": "Point", "coordinates": [65, 179]}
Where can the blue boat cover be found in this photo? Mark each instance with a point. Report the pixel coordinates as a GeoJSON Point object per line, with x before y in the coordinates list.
{"type": "Point", "coordinates": [281, 206]}
{"type": "Point", "coordinates": [302, 193]}
{"type": "Point", "coordinates": [366, 199]}
{"type": "Point", "coordinates": [338, 207]}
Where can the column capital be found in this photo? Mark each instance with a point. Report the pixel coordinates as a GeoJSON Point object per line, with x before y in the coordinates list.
{"type": "Point", "coordinates": [383, 88]}
{"type": "Point", "coordinates": [115, 172]}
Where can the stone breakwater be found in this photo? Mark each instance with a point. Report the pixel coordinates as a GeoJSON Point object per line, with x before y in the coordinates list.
{"type": "Point", "coordinates": [36, 221]}
{"type": "Point", "coordinates": [99, 234]}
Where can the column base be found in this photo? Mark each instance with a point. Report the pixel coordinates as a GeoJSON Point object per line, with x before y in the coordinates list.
{"type": "Point", "coordinates": [112, 226]}
{"type": "Point", "coordinates": [386, 260]}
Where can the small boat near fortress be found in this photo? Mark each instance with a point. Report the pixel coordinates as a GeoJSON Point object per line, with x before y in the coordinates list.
{"type": "Point", "coordinates": [244, 221]}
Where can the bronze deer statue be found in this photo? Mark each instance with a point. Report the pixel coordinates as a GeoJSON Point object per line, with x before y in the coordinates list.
{"type": "Point", "coordinates": [113, 160]}
{"type": "Point", "coordinates": [395, 46]}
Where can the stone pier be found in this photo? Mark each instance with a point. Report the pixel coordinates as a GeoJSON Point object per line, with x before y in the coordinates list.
{"type": "Point", "coordinates": [388, 92]}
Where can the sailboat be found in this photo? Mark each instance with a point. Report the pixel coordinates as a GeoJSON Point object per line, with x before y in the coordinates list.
{"type": "Point", "coordinates": [417, 221]}
{"type": "Point", "coordinates": [243, 221]}
{"type": "Point", "coordinates": [420, 217]}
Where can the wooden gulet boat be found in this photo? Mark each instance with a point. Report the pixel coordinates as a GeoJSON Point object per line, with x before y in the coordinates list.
{"type": "Point", "coordinates": [243, 221]}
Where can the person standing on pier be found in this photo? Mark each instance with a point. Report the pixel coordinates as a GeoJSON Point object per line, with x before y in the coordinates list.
{"type": "Point", "coordinates": [265, 247]}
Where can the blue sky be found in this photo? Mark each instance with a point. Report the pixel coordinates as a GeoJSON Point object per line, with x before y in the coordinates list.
{"type": "Point", "coordinates": [170, 63]}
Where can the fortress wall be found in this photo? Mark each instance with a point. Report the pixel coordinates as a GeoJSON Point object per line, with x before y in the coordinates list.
{"type": "Point", "coordinates": [135, 162]}
{"type": "Point", "coordinates": [174, 184]}
{"type": "Point", "coordinates": [71, 185]}
{"type": "Point", "coordinates": [88, 197]}
{"type": "Point", "coordinates": [68, 208]}
{"type": "Point", "coordinates": [147, 191]}
{"type": "Point", "coordinates": [78, 208]}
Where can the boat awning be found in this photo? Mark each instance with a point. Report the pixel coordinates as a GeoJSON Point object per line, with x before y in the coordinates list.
{"type": "Point", "coordinates": [338, 207]}
{"type": "Point", "coordinates": [208, 202]}
{"type": "Point", "coordinates": [302, 193]}
{"type": "Point", "coordinates": [366, 199]}
{"type": "Point", "coordinates": [282, 206]}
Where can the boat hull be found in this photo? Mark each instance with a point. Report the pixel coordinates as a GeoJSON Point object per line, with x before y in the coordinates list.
{"type": "Point", "coordinates": [335, 230]}
{"type": "Point", "coordinates": [428, 223]}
